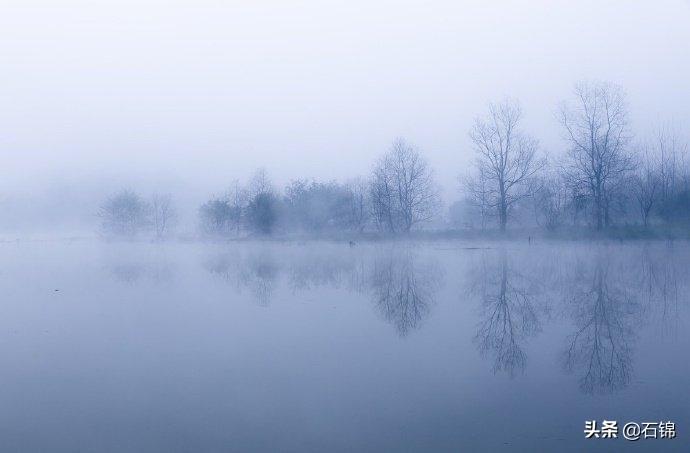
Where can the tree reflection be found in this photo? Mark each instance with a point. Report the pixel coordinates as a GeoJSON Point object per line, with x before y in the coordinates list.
{"type": "Point", "coordinates": [133, 273]}
{"type": "Point", "coordinates": [403, 289]}
{"type": "Point", "coordinates": [315, 270]}
{"type": "Point", "coordinates": [600, 350]}
{"type": "Point", "coordinates": [662, 279]}
{"type": "Point", "coordinates": [260, 276]}
{"type": "Point", "coordinates": [509, 315]}
{"type": "Point", "coordinates": [256, 273]}
{"type": "Point", "coordinates": [401, 284]}
{"type": "Point", "coordinates": [127, 273]}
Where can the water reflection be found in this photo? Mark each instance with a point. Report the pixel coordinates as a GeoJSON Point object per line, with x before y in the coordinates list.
{"type": "Point", "coordinates": [257, 273]}
{"type": "Point", "coordinates": [401, 284]}
{"type": "Point", "coordinates": [661, 276]}
{"type": "Point", "coordinates": [134, 272]}
{"type": "Point", "coordinates": [605, 312]}
{"type": "Point", "coordinates": [127, 273]}
{"type": "Point", "coordinates": [602, 296]}
{"type": "Point", "coordinates": [509, 313]}
{"type": "Point", "coordinates": [318, 269]}
{"type": "Point", "coordinates": [403, 288]}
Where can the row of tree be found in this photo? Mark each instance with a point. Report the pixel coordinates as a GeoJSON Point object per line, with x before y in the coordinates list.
{"type": "Point", "coordinates": [400, 194]}
{"type": "Point", "coordinates": [603, 178]}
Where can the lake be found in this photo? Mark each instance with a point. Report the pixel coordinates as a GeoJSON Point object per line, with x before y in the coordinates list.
{"type": "Point", "coordinates": [323, 346]}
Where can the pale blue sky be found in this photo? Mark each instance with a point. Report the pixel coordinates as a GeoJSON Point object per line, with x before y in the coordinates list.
{"type": "Point", "coordinates": [200, 92]}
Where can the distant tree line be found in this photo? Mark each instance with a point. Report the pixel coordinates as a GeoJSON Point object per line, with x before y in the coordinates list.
{"type": "Point", "coordinates": [604, 177]}
{"type": "Point", "coordinates": [127, 214]}
{"type": "Point", "coordinates": [399, 194]}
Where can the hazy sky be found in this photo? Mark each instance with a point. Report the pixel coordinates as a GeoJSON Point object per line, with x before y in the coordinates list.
{"type": "Point", "coordinates": [193, 94]}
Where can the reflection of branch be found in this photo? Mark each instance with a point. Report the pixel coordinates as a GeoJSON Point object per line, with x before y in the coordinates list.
{"type": "Point", "coordinates": [318, 270]}
{"type": "Point", "coordinates": [260, 277]}
{"type": "Point", "coordinates": [510, 318]}
{"type": "Point", "coordinates": [258, 273]}
{"type": "Point", "coordinates": [403, 290]}
{"type": "Point", "coordinates": [662, 286]}
{"type": "Point", "coordinates": [136, 272]}
{"type": "Point", "coordinates": [601, 346]}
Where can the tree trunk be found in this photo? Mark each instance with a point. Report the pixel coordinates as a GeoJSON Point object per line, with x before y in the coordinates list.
{"type": "Point", "coordinates": [598, 208]}
{"type": "Point", "coordinates": [503, 217]}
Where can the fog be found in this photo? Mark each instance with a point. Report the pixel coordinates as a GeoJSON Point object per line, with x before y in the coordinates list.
{"type": "Point", "coordinates": [185, 97]}
{"type": "Point", "coordinates": [339, 226]}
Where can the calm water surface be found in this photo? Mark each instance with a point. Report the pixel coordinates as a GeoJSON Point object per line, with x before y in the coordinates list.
{"type": "Point", "coordinates": [318, 346]}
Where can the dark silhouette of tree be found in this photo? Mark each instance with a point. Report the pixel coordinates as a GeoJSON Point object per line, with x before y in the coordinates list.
{"type": "Point", "coordinates": [506, 160]}
{"type": "Point", "coordinates": [596, 127]}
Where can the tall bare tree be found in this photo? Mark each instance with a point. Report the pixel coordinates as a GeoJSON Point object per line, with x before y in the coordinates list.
{"type": "Point", "coordinates": [506, 158]}
{"type": "Point", "coordinates": [596, 126]}
{"type": "Point", "coordinates": [403, 190]}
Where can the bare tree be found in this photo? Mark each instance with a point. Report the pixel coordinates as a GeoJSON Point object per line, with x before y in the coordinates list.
{"type": "Point", "coordinates": [162, 214]}
{"type": "Point", "coordinates": [260, 183]}
{"type": "Point", "coordinates": [596, 126]}
{"type": "Point", "coordinates": [478, 194]}
{"type": "Point", "coordinates": [403, 189]}
{"type": "Point", "coordinates": [551, 200]}
{"type": "Point", "coordinates": [506, 158]}
{"type": "Point", "coordinates": [358, 203]}
{"type": "Point", "coordinates": [670, 154]}
{"type": "Point", "coordinates": [383, 203]}
{"type": "Point", "coordinates": [646, 184]}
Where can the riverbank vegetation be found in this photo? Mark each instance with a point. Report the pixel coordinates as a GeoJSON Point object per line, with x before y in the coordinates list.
{"type": "Point", "coordinates": [606, 182]}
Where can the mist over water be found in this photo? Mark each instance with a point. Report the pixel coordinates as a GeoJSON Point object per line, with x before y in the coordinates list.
{"type": "Point", "coordinates": [312, 346]}
{"type": "Point", "coordinates": [343, 226]}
